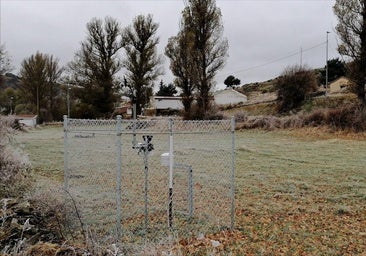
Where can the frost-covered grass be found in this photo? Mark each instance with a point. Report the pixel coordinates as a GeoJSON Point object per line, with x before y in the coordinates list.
{"type": "Point", "coordinates": [14, 164]}
{"type": "Point", "coordinates": [297, 192]}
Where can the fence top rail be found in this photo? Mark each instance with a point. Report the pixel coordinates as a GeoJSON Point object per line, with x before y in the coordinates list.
{"type": "Point", "coordinates": [154, 126]}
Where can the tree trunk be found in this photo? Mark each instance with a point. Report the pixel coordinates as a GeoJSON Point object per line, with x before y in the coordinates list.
{"type": "Point", "coordinates": [362, 64]}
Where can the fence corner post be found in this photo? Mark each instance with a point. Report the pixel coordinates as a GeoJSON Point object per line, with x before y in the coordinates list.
{"type": "Point", "coordinates": [171, 166]}
{"type": "Point", "coordinates": [66, 155]}
{"type": "Point", "coordinates": [119, 175]}
{"type": "Point", "coordinates": [233, 152]}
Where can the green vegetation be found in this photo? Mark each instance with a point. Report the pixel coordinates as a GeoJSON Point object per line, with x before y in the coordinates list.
{"type": "Point", "coordinates": [231, 82]}
{"type": "Point", "coordinates": [166, 90]}
{"type": "Point", "coordinates": [336, 69]}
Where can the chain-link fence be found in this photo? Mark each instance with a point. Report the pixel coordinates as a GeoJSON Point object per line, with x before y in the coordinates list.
{"type": "Point", "coordinates": [132, 180]}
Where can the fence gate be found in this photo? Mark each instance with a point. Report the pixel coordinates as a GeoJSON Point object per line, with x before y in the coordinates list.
{"type": "Point", "coordinates": [137, 180]}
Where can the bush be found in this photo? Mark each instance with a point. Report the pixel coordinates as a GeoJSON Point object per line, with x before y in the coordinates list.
{"type": "Point", "coordinates": [347, 118]}
{"type": "Point", "coordinates": [293, 86]}
{"type": "Point", "coordinates": [212, 113]}
{"type": "Point", "coordinates": [293, 122]}
{"type": "Point", "coordinates": [343, 118]}
{"type": "Point", "coordinates": [14, 165]}
{"type": "Point", "coordinates": [240, 117]}
{"type": "Point", "coordinates": [316, 118]}
{"type": "Point", "coordinates": [262, 122]}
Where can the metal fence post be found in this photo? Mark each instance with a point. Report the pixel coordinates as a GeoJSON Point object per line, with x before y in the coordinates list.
{"type": "Point", "coordinates": [119, 174]}
{"type": "Point", "coordinates": [171, 166]}
{"type": "Point", "coordinates": [66, 155]}
{"type": "Point", "coordinates": [146, 190]}
{"type": "Point", "coordinates": [190, 191]}
{"type": "Point", "coordinates": [233, 172]}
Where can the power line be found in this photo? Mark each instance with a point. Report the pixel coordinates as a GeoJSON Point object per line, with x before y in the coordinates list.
{"type": "Point", "coordinates": [277, 60]}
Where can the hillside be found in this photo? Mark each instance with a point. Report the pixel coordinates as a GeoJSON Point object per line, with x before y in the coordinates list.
{"type": "Point", "coordinates": [10, 81]}
{"type": "Point", "coordinates": [262, 100]}
{"type": "Point", "coordinates": [263, 87]}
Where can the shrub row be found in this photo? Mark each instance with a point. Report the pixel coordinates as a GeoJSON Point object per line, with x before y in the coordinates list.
{"type": "Point", "coordinates": [344, 118]}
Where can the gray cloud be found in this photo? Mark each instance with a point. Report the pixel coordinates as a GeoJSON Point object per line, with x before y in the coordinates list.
{"type": "Point", "coordinates": [259, 32]}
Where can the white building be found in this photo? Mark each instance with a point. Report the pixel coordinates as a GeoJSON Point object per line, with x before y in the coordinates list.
{"type": "Point", "coordinates": [223, 97]}
{"type": "Point", "coordinates": [161, 103]}
{"type": "Point", "coordinates": [27, 120]}
{"type": "Point", "coordinates": [229, 97]}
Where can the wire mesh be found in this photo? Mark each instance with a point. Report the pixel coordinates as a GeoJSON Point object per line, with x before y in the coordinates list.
{"type": "Point", "coordinates": [119, 185]}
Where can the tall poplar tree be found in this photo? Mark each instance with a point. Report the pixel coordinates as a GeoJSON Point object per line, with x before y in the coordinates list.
{"type": "Point", "coordinates": [142, 62]}
{"type": "Point", "coordinates": [203, 19]}
{"type": "Point", "coordinates": [180, 52]}
{"type": "Point", "coordinates": [94, 68]}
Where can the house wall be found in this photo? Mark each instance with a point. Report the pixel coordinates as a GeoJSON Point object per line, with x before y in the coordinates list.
{"type": "Point", "coordinates": [224, 97]}
{"type": "Point", "coordinates": [339, 85]}
{"type": "Point", "coordinates": [168, 103]}
{"type": "Point", "coordinates": [31, 122]}
{"type": "Point", "coordinates": [228, 96]}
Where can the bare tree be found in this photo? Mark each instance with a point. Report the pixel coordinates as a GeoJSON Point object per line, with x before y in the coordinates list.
{"type": "Point", "coordinates": [95, 67]}
{"type": "Point", "coordinates": [180, 52]}
{"type": "Point", "coordinates": [351, 29]}
{"type": "Point", "coordinates": [142, 62]}
{"type": "Point", "coordinates": [202, 18]}
{"type": "Point", "coordinates": [39, 76]}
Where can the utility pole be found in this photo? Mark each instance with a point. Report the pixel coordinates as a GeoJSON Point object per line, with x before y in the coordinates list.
{"type": "Point", "coordinates": [326, 66]}
{"type": "Point", "coordinates": [301, 57]}
{"type": "Point", "coordinates": [38, 104]}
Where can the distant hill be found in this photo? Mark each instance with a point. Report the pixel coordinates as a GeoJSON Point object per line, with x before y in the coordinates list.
{"type": "Point", "coordinates": [262, 97]}
{"type": "Point", "coordinates": [10, 81]}
{"type": "Point", "coordinates": [263, 87]}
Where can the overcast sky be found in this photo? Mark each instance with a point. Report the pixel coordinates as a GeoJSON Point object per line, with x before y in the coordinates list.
{"type": "Point", "coordinates": [265, 36]}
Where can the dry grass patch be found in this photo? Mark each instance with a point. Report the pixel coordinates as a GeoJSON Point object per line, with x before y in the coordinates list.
{"type": "Point", "coordinates": [301, 192]}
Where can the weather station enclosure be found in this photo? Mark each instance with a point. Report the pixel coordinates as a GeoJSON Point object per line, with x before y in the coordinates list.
{"type": "Point", "coordinates": [136, 180]}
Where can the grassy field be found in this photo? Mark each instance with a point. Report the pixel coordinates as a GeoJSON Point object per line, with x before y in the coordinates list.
{"type": "Point", "coordinates": [299, 192]}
